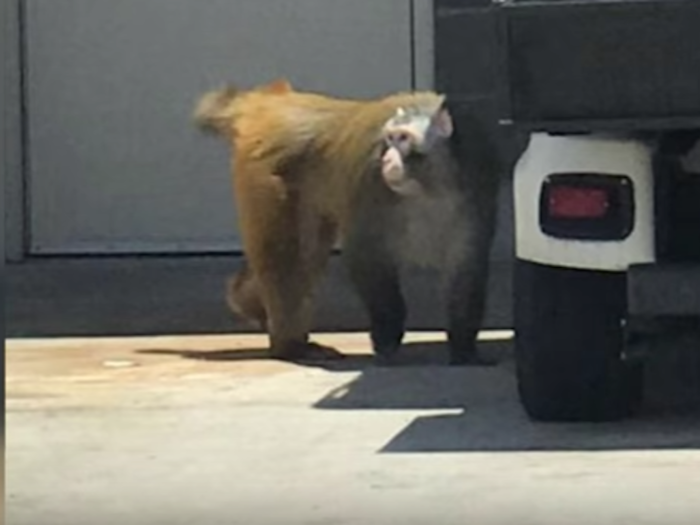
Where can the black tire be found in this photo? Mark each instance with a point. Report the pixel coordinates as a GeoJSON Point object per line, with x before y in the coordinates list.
{"type": "Point", "coordinates": [569, 345]}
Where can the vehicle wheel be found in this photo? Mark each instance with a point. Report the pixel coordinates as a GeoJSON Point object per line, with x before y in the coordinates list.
{"type": "Point", "coordinates": [569, 345]}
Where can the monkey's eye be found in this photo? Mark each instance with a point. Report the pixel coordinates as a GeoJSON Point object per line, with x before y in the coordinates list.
{"type": "Point", "coordinates": [401, 137]}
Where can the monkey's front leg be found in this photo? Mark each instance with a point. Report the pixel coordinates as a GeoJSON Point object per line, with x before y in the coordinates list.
{"type": "Point", "coordinates": [467, 277]}
{"type": "Point", "coordinates": [375, 277]}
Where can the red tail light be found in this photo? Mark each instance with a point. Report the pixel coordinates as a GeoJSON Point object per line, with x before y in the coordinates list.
{"type": "Point", "coordinates": [587, 206]}
{"type": "Point", "coordinates": [567, 202]}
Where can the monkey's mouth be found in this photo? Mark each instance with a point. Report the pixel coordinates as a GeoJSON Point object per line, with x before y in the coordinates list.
{"type": "Point", "coordinates": [405, 187]}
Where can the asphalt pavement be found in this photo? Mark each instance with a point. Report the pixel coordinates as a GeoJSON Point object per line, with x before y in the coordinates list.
{"type": "Point", "coordinates": [207, 430]}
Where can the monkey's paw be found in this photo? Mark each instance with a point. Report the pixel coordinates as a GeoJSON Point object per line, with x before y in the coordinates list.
{"type": "Point", "coordinates": [386, 356]}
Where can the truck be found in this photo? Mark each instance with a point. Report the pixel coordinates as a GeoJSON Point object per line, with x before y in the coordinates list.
{"type": "Point", "coordinates": [605, 95]}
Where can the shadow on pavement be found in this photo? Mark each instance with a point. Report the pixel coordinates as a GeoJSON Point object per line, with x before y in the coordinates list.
{"type": "Point", "coordinates": [348, 363]}
{"type": "Point", "coordinates": [421, 379]}
{"type": "Point", "coordinates": [478, 410]}
{"type": "Point", "coordinates": [413, 355]}
{"type": "Point", "coordinates": [485, 429]}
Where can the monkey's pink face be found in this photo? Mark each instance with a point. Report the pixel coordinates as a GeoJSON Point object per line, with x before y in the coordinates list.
{"type": "Point", "coordinates": [407, 133]}
{"type": "Point", "coordinates": [404, 140]}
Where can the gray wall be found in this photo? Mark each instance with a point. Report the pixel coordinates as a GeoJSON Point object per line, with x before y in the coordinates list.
{"type": "Point", "coordinates": [115, 165]}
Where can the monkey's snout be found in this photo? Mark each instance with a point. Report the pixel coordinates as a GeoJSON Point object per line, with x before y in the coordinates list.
{"type": "Point", "coordinates": [392, 166]}
{"type": "Point", "coordinates": [394, 175]}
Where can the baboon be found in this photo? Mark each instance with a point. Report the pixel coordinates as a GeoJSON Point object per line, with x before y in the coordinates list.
{"type": "Point", "coordinates": [390, 178]}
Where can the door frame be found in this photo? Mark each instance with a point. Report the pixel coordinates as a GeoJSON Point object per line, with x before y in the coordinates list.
{"type": "Point", "coordinates": [422, 44]}
{"type": "Point", "coordinates": [11, 136]}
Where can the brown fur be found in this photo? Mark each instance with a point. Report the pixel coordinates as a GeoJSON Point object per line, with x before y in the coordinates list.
{"type": "Point", "coordinates": [243, 298]}
{"type": "Point", "coordinates": [298, 160]}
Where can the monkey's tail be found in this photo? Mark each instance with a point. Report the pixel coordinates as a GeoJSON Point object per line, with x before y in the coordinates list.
{"type": "Point", "coordinates": [214, 111]}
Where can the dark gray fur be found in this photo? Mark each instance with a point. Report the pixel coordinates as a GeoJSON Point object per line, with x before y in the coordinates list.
{"type": "Point", "coordinates": [450, 227]}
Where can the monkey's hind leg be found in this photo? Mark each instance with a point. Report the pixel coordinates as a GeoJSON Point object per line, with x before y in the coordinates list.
{"type": "Point", "coordinates": [287, 257]}
{"type": "Point", "coordinates": [290, 322]}
{"type": "Point", "coordinates": [243, 298]}
{"type": "Point", "coordinates": [289, 291]}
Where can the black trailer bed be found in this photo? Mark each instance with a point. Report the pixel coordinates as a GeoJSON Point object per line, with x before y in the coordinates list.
{"type": "Point", "coordinates": [599, 64]}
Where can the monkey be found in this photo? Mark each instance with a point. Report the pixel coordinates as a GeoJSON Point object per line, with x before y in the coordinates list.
{"type": "Point", "coordinates": [387, 177]}
{"type": "Point", "coordinates": [436, 215]}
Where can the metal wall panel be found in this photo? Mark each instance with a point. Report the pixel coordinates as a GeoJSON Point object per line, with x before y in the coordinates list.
{"type": "Point", "coordinates": [115, 164]}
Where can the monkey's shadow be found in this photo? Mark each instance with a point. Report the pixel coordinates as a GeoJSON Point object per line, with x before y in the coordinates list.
{"type": "Point", "coordinates": [477, 409]}
{"type": "Point", "coordinates": [412, 355]}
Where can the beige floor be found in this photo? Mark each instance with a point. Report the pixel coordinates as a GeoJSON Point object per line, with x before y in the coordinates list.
{"type": "Point", "coordinates": [82, 372]}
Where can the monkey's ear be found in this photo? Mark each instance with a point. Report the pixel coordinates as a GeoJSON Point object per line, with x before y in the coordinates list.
{"type": "Point", "coordinates": [442, 123]}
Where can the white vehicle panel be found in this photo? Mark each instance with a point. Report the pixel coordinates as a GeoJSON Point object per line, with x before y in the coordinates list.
{"type": "Point", "coordinates": [548, 154]}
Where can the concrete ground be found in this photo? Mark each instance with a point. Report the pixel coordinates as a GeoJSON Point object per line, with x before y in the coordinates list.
{"type": "Point", "coordinates": [205, 430]}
